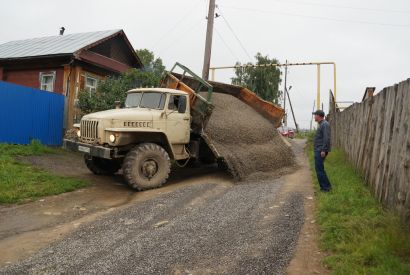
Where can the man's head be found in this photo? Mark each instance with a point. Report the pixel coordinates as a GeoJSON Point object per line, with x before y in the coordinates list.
{"type": "Point", "coordinates": [319, 115]}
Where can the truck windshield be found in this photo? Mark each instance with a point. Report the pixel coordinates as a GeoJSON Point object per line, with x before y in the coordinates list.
{"type": "Point", "coordinates": [151, 100]}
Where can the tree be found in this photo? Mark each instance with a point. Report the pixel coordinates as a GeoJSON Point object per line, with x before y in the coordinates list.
{"type": "Point", "coordinates": [264, 81]}
{"type": "Point", "coordinates": [114, 88]}
{"type": "Point", "coordinates": [151, 63]}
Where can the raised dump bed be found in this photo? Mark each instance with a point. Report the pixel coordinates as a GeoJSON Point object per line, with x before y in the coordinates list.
{"type": "Point", "coordinates": [269, 110]}
{"type": "Point", "coordinates": [202, 106]}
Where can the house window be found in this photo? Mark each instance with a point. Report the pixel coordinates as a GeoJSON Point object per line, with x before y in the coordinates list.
{"type": "Point", "coordinates": [47, 81]}
{"type": "Point", "coordinates": [91, 84]}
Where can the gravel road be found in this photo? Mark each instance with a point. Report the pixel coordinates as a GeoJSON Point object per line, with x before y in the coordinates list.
{"type": "Point", "coordinates": [206, 228]}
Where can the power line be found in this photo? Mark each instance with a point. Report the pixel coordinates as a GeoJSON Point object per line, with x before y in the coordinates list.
{"type": "Point", "coordinates": [234, 34]}
{"type": "Point", "coordinates": [226, 45]}
{"type": "Point", "coordinates": [341, 6]}
{"type": "Point", "coordinates": [183, 18]}
{"type": "Point", "coordinates": [171, 43]}
{"type": "Point", "coordinates": [317, 17]}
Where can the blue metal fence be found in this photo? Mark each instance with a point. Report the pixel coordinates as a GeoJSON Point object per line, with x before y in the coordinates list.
{"type": "Point", "coordinates": [27, 114]}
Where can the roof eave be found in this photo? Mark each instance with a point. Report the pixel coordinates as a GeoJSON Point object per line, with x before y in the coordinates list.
{"type": "Point", "coordinates": [119, 32]}
{"type": "Point", "coordinates": [36, 57]}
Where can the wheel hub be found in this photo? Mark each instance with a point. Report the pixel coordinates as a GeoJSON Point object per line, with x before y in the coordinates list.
{"type": "Point", "coordinates": [149, 168]}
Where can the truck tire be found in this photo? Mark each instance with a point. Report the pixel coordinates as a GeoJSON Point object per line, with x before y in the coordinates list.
{"type": "Point", "coordinates": [101, 166]}
{"type": "Point", "coordinates": [146, 166]}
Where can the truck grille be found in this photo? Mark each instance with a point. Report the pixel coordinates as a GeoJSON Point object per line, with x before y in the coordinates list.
{"type": "Point", "coordinates": [89, 130]}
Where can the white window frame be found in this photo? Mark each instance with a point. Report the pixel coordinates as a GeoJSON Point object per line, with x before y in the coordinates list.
{"type": "Point", "coordinates": [90, 89]}
{"type": "Point", "coordinates": [47, 74]}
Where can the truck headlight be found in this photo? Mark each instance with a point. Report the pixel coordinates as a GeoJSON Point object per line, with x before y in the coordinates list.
{"type": "Point", "coordinates": [112, 138]}
{"type": "Point", "coordinates": [78, 133]}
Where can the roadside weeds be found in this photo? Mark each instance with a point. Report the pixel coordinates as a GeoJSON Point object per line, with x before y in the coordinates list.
{"type": "Point", "coordinates": [21, 182]}
{"type": "Point", "coordinates": [361, 236]}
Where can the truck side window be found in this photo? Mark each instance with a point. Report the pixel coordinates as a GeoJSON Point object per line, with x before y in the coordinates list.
{"type": "Point", "coordinates": [177, 103]}
{"type": "Point", "coordinates": [182, 104]}
{"type": "Point", "coordinates": [173, 102]}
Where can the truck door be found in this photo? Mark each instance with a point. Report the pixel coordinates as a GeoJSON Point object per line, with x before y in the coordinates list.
{"type": "Point", "coordinates": [178, 119]}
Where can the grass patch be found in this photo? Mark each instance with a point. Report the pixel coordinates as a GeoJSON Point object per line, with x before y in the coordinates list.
{"type": "Point", "coordinates": [21, 182]}
{"type": "Point", "coordinates": [305, 134]}
{"type": "Point", "coordinates": [361, 236]}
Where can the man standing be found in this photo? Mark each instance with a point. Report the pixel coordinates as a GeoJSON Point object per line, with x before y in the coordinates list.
{"type": "Point", "coordinates": [321, 147]}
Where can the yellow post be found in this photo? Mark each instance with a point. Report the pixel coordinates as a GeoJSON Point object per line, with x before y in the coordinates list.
{"type": "Point", "coordinates": [334, 80]}
{"type": "Point", "coordinates": [212, 74]}
{"type": "Point", "coordinates": [318, 88]}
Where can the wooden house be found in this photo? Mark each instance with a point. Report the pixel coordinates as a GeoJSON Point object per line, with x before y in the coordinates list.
{"type": "Point", "coordinates": [67, 64]}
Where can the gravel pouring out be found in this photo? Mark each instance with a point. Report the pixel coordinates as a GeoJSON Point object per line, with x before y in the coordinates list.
{"type": "Point", "coordinates": [250, 144]}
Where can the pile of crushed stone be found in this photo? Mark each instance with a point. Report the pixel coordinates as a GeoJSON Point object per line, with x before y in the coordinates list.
{"type": "Point", "coordinates": [250, 144]}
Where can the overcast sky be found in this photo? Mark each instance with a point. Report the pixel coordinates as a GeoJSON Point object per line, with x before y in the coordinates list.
{"type": "Point", "coordinates": [369, 40]}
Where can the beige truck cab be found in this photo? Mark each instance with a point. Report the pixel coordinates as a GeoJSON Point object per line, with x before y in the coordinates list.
{"type": "Point", "coordinates": [152, 128]}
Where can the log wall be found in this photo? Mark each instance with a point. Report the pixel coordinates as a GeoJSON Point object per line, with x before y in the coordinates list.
{"type": "Point", "coordinates": [375, 134]}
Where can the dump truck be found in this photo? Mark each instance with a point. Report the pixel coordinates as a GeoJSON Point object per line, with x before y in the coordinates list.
{"type": "Point", "coordinates": [157, 126]}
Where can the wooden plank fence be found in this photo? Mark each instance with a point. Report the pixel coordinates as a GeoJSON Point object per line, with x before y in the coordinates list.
{"type": "Point", "coordinates": [375, 134]}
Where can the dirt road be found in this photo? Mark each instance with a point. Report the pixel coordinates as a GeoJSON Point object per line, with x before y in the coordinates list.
{"type": "Point", "coordinates": [199, 223]}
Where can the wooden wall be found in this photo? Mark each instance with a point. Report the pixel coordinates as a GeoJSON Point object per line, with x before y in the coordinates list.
{"type": "Point", "coordinates": [31, 77]}
{"type": "Point", "coordinates": [74, 83]}
{"type": "Point", "coordinates": [375, 134]}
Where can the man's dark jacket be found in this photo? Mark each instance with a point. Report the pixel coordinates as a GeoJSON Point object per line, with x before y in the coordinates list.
{"type": "Point", "coordinates": [322, 138]}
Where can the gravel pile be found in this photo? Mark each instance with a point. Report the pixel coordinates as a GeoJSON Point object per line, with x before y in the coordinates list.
{"type": "Point", "coordinates": [251, 146]}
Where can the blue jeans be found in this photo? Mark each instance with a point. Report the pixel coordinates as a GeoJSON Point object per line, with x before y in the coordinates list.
{"type": "Point", "coordinates": [321, 173]}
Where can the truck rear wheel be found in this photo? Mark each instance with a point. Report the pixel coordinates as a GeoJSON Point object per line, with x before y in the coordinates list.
{"type": "Point", "coordinates": [146, 166]}
{"type": "Point", "coordinates": [101, 166]}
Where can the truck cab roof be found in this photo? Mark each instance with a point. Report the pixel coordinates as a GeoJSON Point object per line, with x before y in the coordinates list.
{"type": "Point", "coordinates": [159, 90]}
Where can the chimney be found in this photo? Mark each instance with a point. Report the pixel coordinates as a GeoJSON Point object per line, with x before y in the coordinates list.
{"type": "Point", "coordinates": [62, 30]}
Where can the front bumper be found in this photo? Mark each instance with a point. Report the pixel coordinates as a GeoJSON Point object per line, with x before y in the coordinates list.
{"type": "Point", "coordinates": [93, 150]}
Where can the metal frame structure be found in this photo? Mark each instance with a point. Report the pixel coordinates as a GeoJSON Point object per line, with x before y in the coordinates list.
{"type": "Point", "coordinates": [318, 64]}
{"type": "Point", "coordinates": [202, 82]}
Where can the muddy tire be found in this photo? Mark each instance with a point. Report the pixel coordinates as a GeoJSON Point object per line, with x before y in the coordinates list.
{"type": "Point", "coordinates": [101, 166]}
{"type": "Point", "coordinates": [146, 166]}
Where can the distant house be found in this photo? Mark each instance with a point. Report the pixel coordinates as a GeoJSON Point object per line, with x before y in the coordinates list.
{"type": "Point", "coordinates": [67, 64]}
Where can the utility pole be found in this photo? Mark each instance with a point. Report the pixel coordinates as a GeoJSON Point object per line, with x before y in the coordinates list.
{"type": "Point", "coordinates": [293, 114]}
{"type": "Point", "coordinates": [285, 92]}
{"type": "Point", "coordinates": [311, 119]}
{"type": "Point", "coordinates": [208, 41]}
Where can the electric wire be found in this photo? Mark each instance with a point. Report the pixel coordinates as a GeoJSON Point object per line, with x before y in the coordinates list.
{"type": "Point", "coordinates": [226, 45]}
{"type": "Point", "coordinates": [317, 17]}
{"type": "Point", "coordinates": [234, 34]}
{"type": "Point", "coordinates": [341, 6]}
{"type": "Point", "coordinates": [170, 30]}
{"type": "Point", "coordinates": [171, 43]}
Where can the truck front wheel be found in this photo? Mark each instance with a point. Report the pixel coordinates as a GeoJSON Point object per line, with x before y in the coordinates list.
{"type": "Point", "coordinates": [100, 166]}
{"type": "Point", "coordinates": [146, 166]}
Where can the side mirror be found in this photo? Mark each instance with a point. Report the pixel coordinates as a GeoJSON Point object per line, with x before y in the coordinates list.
{"type": "Point", "coordinates": [182, 104]}
{"type": "Point", "coordinates": [117, 104]}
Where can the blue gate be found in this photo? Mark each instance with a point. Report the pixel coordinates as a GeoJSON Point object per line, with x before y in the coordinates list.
{"type": "Point", "coordinates": [27, 114]}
